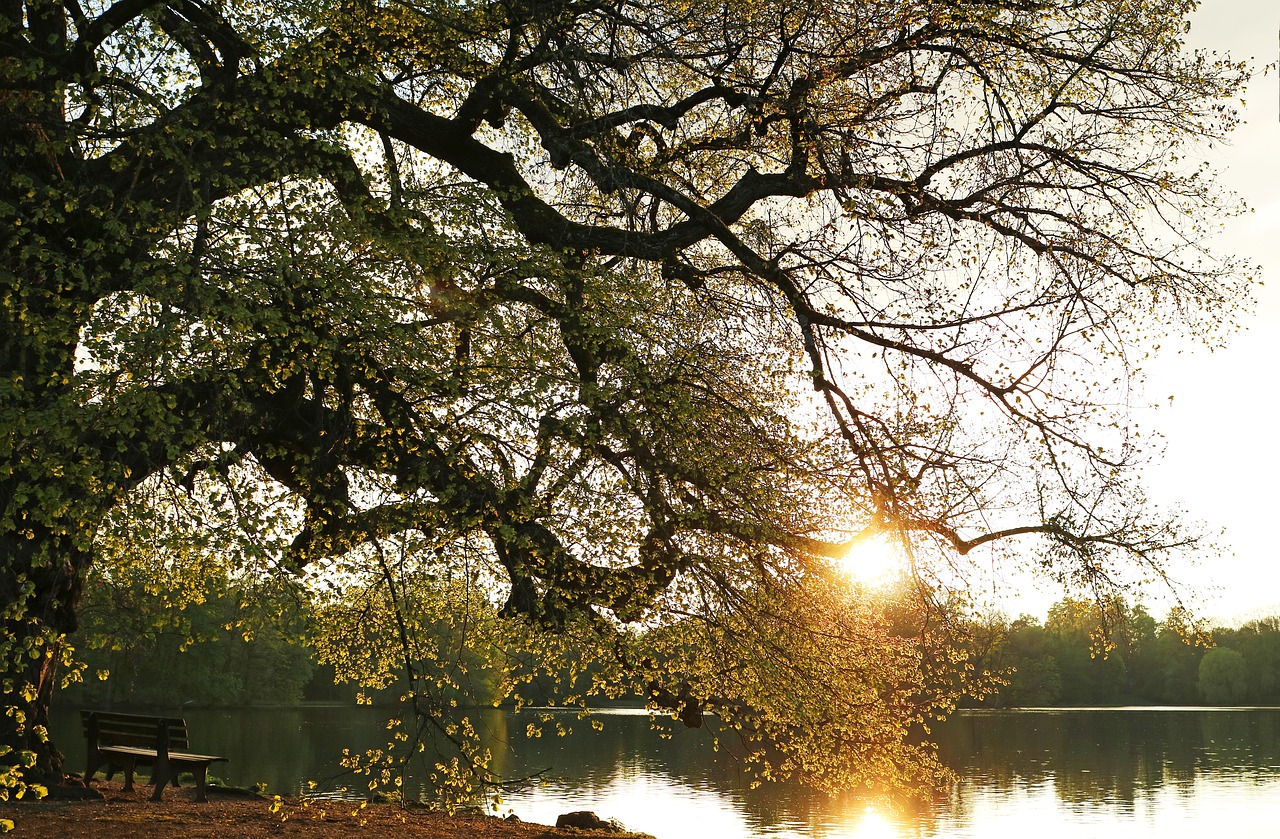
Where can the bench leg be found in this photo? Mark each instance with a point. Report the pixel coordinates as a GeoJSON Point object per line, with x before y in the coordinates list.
{"type": "Point", "coordinates": [162, 773]}
{"type": "Point", "coordinates": [201, 774]}
{"type": "Point", "coordinates": [128, 774]}
{"type": "Point", "coordinates": [95, 762]}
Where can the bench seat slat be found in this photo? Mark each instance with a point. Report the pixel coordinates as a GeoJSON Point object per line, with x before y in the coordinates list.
{"type": "Point", "coordinates": [137, 751]}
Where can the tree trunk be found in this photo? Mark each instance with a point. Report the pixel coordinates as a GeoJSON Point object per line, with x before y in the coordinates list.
{"type": "Point", "coordinates": [40, 585]}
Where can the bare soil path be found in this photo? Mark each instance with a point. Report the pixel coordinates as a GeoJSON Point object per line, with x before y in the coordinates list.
{"type": "Point", "coordinates": [179, 816]}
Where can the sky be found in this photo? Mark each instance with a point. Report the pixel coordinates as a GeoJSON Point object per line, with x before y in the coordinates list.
{"type": "Point", "coordinates": [1223, 439]}
{"type": "Point", "coordinates": [1221, 464]}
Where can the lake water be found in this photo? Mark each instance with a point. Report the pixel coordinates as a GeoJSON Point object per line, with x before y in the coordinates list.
{"type": "Point", "coordinates": [1098, 773]}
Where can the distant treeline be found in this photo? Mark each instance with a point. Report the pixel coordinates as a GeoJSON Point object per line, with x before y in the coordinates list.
{"type": "Point", "coordinates": [169, 642]}
{"type": "Point", "coordinates": [1085, 655]}
{"type": "Point", "coordinates": [209, 651]}
{"type": "Point", "coordinates": [231, 647]}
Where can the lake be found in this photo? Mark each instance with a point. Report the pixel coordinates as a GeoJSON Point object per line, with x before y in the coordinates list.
{"type": "Point", "coordinates": [1098, 773]}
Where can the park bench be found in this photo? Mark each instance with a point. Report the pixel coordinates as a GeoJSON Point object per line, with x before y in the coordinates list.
{"type": "Point", "coordinates": [125, 741]}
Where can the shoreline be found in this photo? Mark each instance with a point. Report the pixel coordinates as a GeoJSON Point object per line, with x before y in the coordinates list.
{"type": "Point", "coordinates": [234, 816]}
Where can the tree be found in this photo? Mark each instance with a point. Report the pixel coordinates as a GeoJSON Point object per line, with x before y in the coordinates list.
{"type": "Point", "coordinates": [1258, 641]}
{"type": "Point", "coordinates": [1036, 679]}
{"type": "Point", "coordinates": [1078, 642]}
{"type": "Point", "coordinates": [652, 308]}
{"type": "Point", "coordinates": [1223, 676]}
{"type": "Point", "coordinates": [1139, 642]}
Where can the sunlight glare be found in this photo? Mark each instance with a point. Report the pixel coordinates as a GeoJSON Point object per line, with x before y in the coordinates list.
{"type": "Point", "coordinates": [874, 825]}
{"type": "Point", "coordinates": [875, 561]}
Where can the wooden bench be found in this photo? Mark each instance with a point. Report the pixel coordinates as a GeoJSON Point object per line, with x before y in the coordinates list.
{"type": "Point", "coordinates": [126, 741]}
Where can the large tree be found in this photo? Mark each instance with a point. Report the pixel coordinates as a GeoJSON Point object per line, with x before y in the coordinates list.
{"type": "Point", "coordinates": [649, 309]}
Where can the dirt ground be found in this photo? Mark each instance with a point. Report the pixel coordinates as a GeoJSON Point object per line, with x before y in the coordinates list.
{"type": "Point", "coordinates": [180, 816]}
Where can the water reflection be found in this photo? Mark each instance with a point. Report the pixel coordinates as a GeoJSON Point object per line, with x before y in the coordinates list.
{"type": "Point", "coordinates": [872, 824]}
{"type": "Point", "coordinates": [1097, 773]}
{"type": "Point", "coordinates": [1117, 755]}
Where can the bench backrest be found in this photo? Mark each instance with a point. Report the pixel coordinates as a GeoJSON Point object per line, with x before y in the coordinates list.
{"type": "Point", "coordinates": [114, 729]}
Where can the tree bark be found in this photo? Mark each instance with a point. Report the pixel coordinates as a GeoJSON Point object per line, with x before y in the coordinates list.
{"type": "Point", "coordinates": [40, 586]}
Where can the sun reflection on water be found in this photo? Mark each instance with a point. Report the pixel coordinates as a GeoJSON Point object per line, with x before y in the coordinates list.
{"type": "Point", "coordinates": [872, 824]}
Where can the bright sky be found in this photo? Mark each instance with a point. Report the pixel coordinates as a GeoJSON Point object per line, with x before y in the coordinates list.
{"type": "Point", "coordinates": [1223, 429]}
{"type": "Point", "coordinates": [1223, 452]}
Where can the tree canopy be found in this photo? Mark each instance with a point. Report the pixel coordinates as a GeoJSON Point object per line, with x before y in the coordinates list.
{"type": "Point", "coordinates": [628, 317]}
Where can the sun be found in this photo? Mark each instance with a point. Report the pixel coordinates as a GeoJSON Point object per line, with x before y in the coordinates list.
{"type": "Point", "coordinates": [874, 561]}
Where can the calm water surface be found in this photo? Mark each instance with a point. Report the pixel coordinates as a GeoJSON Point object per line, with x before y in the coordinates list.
{"type": "Point", "coordinates": [1131, 773]}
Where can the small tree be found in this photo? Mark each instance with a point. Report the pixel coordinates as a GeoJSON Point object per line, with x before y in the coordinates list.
{"type": "Point", "coordinates": [1036, 679]}
{"type": "Point", "coordinates": [1223, 677]}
